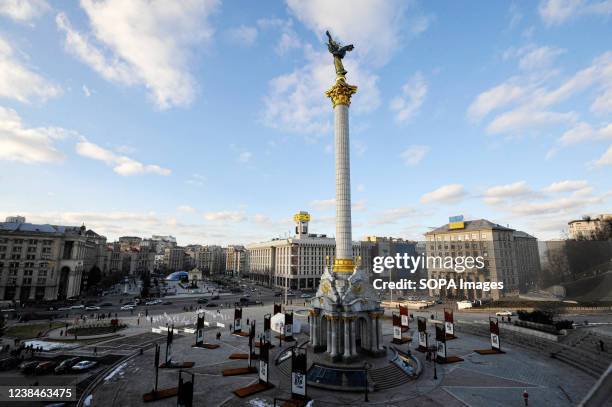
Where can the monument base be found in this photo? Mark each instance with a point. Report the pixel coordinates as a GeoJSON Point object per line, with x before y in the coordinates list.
{"type": "Point", "coordinates": [238, 371]}
{"type": "Point", "coordinates": [253, 389]}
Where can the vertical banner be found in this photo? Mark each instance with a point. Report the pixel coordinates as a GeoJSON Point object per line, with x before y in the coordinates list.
{"type": "Point", "coordinates": [422, 328]}
{"type": "Point", "coordinates": [298, 373]}
{"type": "Point", "coordinates": [251, 338]}
{"type": "Point", "coordinates": [264, 356]}
{"type": "Point", "coordinates": [404, 315]}
{"type": "Point", "coordinates": [449, 325]}
{"type": "Point", "coordinates": [494, 329]}
{"type": "Point", "coordinates": [200, 330]}
{"type": "Point", "coordinates": [267, 328]}
{"type": "Point", "coordinates": [237, 320]}
{"type": "Point", "coordinates": [277, 309]}
{"type": "Point", "coordinates": [440, 341]}
{"type": "Point", "coordinates": [289, 326]}
{"type": "Point", "coordinates": [169, 344]}
{"type": "Point", "coordinates": [397, 328]}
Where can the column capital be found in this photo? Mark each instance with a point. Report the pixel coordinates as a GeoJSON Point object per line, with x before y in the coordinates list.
{"type": "Point", "coordinates": [341, 92]}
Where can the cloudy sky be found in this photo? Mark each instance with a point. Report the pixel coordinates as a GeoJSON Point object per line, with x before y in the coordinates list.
{"type": "Point", "coordinates": [207, 120]}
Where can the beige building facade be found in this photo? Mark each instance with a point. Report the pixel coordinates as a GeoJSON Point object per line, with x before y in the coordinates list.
{"type": "Point", "coordinates": [591, 228]}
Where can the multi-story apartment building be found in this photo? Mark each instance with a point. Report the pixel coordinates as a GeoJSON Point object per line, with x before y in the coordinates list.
{"type": "Point", "coordinates": [235, 260]}
{"type": "Point", "coordinates": [174, 258]}
{"type": "Point", "coordinates": [479, 238]}
{"type": "Point", "coordinates": [210, 259]}
{"type": "Point", "coordinates": [296, 262]}
{"type": "Point", "coordinates": [161, 243]}
{"type": "Point", "coordinates": [44, 262]}
{"type": "Point", "coordinates": [526, 260]}
{"type": "Point", "coordinates": [591, 228]}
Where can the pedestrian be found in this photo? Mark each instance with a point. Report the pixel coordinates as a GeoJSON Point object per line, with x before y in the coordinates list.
{"type": "Point", "coordinates": [601, 346]}
{"type": "Point", "coordinates": [247, 321]}
{"type": "Point", "coordinates": [230, 327]}
{"type": "Point", "coordinates": [509, 319]}
{"type": "Point", "coordinates": [95, 350]}
{"type": "Point", "coordinates": [218, 335]}
{"type": "Point", "coordinates": [526, 397]}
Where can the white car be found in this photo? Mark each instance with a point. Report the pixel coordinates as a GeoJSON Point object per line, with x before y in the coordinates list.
{"type": "Point", "coordinates": [128, 307]}
{"type": "Point", "coordinates": [84, 365]}
{"type": "Point", "coordinates": [504, 313]}
{"type": "Point", "coordinates": [154, 302]}
{"type": "Point", "coordinates": [306, 296]}
{"type": "Point", "coordinates": [77, 306]}
{"type": "Point", "coordinates": [64, 308]}
{"type": "Point", "coordinates": [92, 308]}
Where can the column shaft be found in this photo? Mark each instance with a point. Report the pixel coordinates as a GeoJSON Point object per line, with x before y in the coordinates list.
{"type": "Point", "coordinates": [344, 249]}
{"type": "Point", "coordinates": [347, 337]}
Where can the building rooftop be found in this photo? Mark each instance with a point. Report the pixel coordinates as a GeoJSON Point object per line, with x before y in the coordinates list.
{"type": "Point", "coordinates": [478, 224]}
{"type": "Point", "coordinates": [31, 227]}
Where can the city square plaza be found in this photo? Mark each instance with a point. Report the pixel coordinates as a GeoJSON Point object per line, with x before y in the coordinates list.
{"type": "Point", "coordinates": [479, 380]}
{"type": "Point", "coordinates": [353, 353]}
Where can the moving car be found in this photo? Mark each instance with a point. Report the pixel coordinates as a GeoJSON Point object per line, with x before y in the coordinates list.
{"type": "Point", "coordinates": [9, 363]}
{"type": "Point", "coordinates": [211, 305]}
{"type": "Point", "coordinates": [45, 367]}
{"type": "Point", "coordinates": [504, 313]}
{"type": "Point", "coordinates": [28, 367]}
{"type": "Point", "coordinates": [128, 307]}
{"type": "Point", "coordinates": [92, 308]}
{"type": "Point", "coordinates": [153, 302]}
{"type": "Point", "coordinates": [167, 303]}
{"type": "Point", "coordinates": [84, 365]}
{"type": "Point", "coordinates": [80, 306]}
{"type": "Point", "coordinates": [65, 365]}
{"type": "Point", "coordinates": [306, 296]}
{"type": "Point", "coordinates": [202, 300]}
{"type": "Point", "coordinates": [106, 304]}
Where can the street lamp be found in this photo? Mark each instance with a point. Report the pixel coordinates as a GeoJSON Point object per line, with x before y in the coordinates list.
{"type": "Point", "coordinates": [366, 366]}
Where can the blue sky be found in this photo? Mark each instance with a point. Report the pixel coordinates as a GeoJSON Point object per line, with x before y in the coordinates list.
{"type": "Point", "coordinates": [207, 119]}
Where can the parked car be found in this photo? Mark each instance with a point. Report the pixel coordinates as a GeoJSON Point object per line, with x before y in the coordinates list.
{"type": "Point", "coordinates": [84, 365]}
{"type": "Point", "coordinates": [9, 363]}
{"type": "Point", "coordinates": [167, 303]}
{"type": "Point", "coordinates": [80, 306]}
{"type": "Point", "coordinates": [28, 367]}
{"type": "Point", "coordinates": [153, 302]}
{"type": "Point", "coordinates": [128, 307]}
{"type": "Point", "coordinates": [45, 367]}
{"type": "Point", "coordinates": [65, 365]}
{"type": "Point", "coordinates": [504, 313]}
{"type": "Point", "coordinates": [202, 300]}
{"type": "Point", "coordinates": [106, 304]}
{"type": "Point", "coordinates": [92, 308]}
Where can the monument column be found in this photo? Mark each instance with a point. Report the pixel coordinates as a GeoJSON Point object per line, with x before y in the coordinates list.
{"type": "Point", "coordinates": [340, 94]}
{"type": "Point", "coordinates": [347, 337]}
{"type": "Point", "coordinates": [329, 333]}
{"type": "Point", "coordinates": [353, 338]}
{"type": "Point", "coordinates": [334, 336]}
{"type": "Point", "coordinates": [373, 333]}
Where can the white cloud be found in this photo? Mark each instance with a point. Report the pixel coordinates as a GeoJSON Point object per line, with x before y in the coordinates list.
{"type": "Point", "coordinates": [145, 43]}
{"type": "Point", "coordinates": [605, 159]}
{"type": "Point", "coordinates": [360, 188]}
{"type": "Point", "coordinates": [414, 154]}
{"type": "Point", "coordinates": [86, 91]}
{"type": "Point", "coordinates": [494, 98]}
{"type": "Point", "coordinates": [186, 209]}
{"type": "Point", "coordinates": [196, 180]}
{"type": "Point", "coordinates": [393, 215]}
{"type": "Point", "coordinates": [584, 132]}
{"type": "Point", "coordinates": [445, 194]}
{"type": "Point", "coordinates": [23, 10]}
{"type": "Point", "coordinates": [19, 82]}
{"type": "Point", "coordinates": [539, 57]}
{"type": "Point", "coordinates": [225, 216]}
{"type": "Point", "coordinates": [359, 146]}
{"type": "Point", "coordinates": [374, 27]}
{"type": "Point", "coordinates": [27, 144]}
{"type": "Point", "coordinates": [409, 102]}
{"type": "Point", "coordinates": [244, 35]}
{"type": "Point", "coordinates": [497, 194]}
{"type": "Point", "coordinates": [567, 186]}
{"type": "Point", "coordinates": [523, 119]}
{"type": "Point", "coordinates": [121, 164]}
{"type": "Point", "coordinates": [555, 12]}
{"type": "Point", "coordinates": [261, 219]}
{"type": "Point", "coordinates": [557, 205]}
{"type": "Point", "coordinates": [245, 156]}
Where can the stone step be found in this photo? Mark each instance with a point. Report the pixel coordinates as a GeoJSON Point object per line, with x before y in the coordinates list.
{"type": "Point", "coordinates": [563, 357]}
{"type": "Point", "coordinates": [388, 377]}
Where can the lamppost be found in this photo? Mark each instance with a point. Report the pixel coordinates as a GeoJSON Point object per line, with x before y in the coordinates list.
{"type": "Point", "coordinates": [434, 363]}
{"type": "Point", "coordinates": [366, 366]}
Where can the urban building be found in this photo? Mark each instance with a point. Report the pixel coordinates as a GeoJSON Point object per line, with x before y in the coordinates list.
{"type": "Point", "coordinates": [591, 228]}
{"type": "Point", "coordinates": [481, 238]}
{"type": "Point", "coordinates": [297, 262]}
{"type": "Point", "coordinates": [526, 260]}
{"type": "Point", "coordinates": [174, 258]}
{"type": "Point", "coordinates": [210, 259]}
{"type": "Point", "coordinates": [235, 260]}
{"type": "Point", "coordinates": [44, 262]}
{"type": "Point", "coordinates": [161, 243]}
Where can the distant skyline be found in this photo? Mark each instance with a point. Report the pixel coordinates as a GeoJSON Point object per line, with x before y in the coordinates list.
{"type": "Point", "coordinates": [207, 120]}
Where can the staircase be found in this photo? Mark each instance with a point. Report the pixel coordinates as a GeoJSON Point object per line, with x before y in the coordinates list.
{"type": "Point", "coordinates": [388, 377]}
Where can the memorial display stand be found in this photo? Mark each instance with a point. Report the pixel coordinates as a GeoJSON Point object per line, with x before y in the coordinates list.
{"type": "Point", "coordinates": [199, 343]}
{"type": "Point", "coordinates": [169, 363]}
{"type": "Point", "coordinates": [495, 339]}
{"type": "Point", "coordinates": [442, 356]}
{"type": "Point", "coordinates": [398, 339]}
{"type": "Point", "coordinates": [449, 324]}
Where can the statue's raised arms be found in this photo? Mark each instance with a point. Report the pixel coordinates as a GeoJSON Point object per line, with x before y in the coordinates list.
{"type": "Point", "coordinates": [338, 51]}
